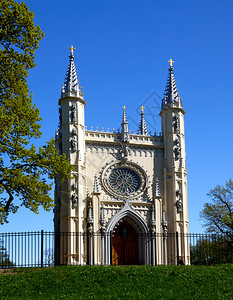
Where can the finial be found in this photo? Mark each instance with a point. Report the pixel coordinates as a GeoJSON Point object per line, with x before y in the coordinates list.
{"type": "Point", "coordinates": [171, 62]}
{"type": "Point", "coordinates": [142, 130]}
{"type": "Point", "coordinates": [90, 215]}
{"type": "Point", "coordinates": [72, 49]}
{"type": "Point", "coordinates": [124, 127]}
{"type": "Point", "coordinates": [157, 189]}
{"type": "Point", "coordinates": [142, 108]}
{"type": "Point", "coordinates": [96, 186]}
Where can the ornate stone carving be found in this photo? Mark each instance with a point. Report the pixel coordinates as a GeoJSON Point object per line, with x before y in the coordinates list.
{"type": "Point", "coordinates": [74, 199]}
{"type": "Point", "coordinates": [124, 151]}
{"type": "Point", "coordinates": [73, 144]}
{"type": "Point", "coordinates": [179, 205]}
{"type": "Point", "coordinates": [73, 113]}
{"type": "Point", "coordinates": [164, 222]}
{"type": "Point", "coordinates": [74, 131]}
{"type": "Point", "coordinates": [110, 211]}
{"type": "Point", "coordinates": [90, 218]}
{"type": "Point", "coordinates": [157, 189]}
{"type": "Point", "coordinates": [177, 149]}
{"type": "Point", "coordinates": [123, 179]}
{"type": "Point", "coordinates": [153, 223]}
{"type": "Point", "coordinates": [96, 185]}
{"type": "Point", "coordinates": [176, 123]}
{"type": "Point", "coordinates": [179, 201]}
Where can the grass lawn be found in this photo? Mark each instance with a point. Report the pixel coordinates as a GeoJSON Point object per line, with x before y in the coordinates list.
{"type": "Point", "coordinates": [123, 282]}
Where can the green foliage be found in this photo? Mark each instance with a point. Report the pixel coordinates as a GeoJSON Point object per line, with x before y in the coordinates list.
{"type": "Point", "coordinates": [212, 249]}
{"type": "Point", "coordinates": [23, 169]}
{"type": "Point", "coordinates": [218, 215]}
{"type": "Point", "coordinates": [4, 257]}
{"type": "Point", "coordinates": [122, 282]}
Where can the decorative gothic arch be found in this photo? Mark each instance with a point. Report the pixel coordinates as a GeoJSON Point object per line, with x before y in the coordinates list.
{"type": "Point", "coordinates": [128, 214]}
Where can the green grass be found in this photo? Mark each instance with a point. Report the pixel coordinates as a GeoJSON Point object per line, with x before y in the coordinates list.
{"type": "Point", "coordinates": [123, 282]}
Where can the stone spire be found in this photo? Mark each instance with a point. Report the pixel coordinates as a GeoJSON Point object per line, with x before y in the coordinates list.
{"type": "Point", "coordinates": [153, 223]}
{"type": "Point", "coordinates": [171, 95]}
{"type": "Point", "coordinates": [124, 127]}
{"type": "Point", "coordinates": [142, 130]}
{"type": "Point", "coordinates": [90, 214]}
{"type": "Point", "coordinates": [96, 185]}
{"type": "Point", "coordinates": [71, 84]}
{"type": "Point", "coordinates": [164, 220]}
{"type": "Point", "coordinates": [102, 217]}
{"type": "Point", "coordinates": [157, 189]}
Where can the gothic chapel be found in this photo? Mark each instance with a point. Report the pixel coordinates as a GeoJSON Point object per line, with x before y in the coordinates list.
{"type": "Point", "coordinates": [126, 201]}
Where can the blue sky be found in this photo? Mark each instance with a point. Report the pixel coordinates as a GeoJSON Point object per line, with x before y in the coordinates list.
{"type": "Point", "coordinates": [122, 49]}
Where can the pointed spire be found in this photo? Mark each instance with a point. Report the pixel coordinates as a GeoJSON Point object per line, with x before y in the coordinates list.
{"type": "Point", "coordinates": [171, 95]}
{"type": "Point", "coordinates": [157, 189]}
{"type": "Point", "coordinates": [153, 216]}
{"type": "Point", "coordinates": [102, 217]}
{"type": "Point", "coordinates": [125, 127]}
{"type": "Point", "coordinates": [96, 185]}
{"type": "Point", "coordinates": [164, 219]}
{"type": "Point", "coordinates": [124, 118]}
{"type": "Point", "coordinates": [71, 84]}
{"type": "Point", "coordinates": [90, 215]}
{"type": "Point", "coordinates": [142, 130]}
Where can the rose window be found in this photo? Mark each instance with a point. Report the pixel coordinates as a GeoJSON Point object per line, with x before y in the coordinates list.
{"type": "Point", "coordinates": [124, 180]}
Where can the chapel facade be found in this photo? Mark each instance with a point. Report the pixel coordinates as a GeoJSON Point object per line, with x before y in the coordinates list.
{"type": "Point", "coordinates": [126, 200]}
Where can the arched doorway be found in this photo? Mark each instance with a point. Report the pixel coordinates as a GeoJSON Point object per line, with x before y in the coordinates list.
{"type": "Point", "coordinates": [124, 244]}
{"type": "Point", "coordinates": [136, 236]}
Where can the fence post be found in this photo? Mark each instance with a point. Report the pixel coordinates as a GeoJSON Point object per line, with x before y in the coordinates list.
{"type": "Point", "coordinates": [42, 248]}
{"type": "Point", "coordinates": [177, 247]}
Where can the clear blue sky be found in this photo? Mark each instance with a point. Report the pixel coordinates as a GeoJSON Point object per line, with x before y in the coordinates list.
{"type": "Point", "coordinates": [121, 58]}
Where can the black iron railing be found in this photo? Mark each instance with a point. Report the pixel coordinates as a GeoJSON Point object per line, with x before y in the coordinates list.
{"type": "Point", "coordinates": [45, 249]}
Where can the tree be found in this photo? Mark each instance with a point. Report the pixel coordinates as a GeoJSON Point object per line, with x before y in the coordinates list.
{"type": "Point", "coordinates": [218, 215]}
{"type": "Point", "coordinates": [4, 258]}
{"type": "Point", "coordinates": [210, 249]}
{"type": "Point", "coordinates": [24, 170]}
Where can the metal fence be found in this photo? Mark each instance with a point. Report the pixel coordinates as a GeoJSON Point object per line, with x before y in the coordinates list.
{"type": "Point", "coordinates": [45, 249]}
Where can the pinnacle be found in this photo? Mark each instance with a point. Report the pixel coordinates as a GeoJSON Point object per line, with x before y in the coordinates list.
{"type": "Point", "coordinates": [142, 130]}
{"type": "Point", "coordinates": [125, 127]}
{"type": "Point", "coordinates": [96, 186]}
{"type": "Point", "coordinates": [171, 95]}
{"type": "Point", "coordinates": [124, 118]}
{"type": "Point", "coordinates": [71, 84]}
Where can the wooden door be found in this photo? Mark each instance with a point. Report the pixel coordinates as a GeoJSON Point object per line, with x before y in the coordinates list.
{"type": "Point", "coordinates": [124, 245]}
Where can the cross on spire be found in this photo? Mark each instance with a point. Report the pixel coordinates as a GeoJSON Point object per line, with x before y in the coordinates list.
{"type": "Point", "coordinates": [171, 62]}
{"type": "Point", "coordinates": [142, 126]}
{"type": "Point", "coordinates": [72, 49]}
{"type": "Point", "coordinates": [124, 107]}
{"type": "Point", "coordinates": [171, 95]}
{"type": "Point", "coordinates": [71, 85]}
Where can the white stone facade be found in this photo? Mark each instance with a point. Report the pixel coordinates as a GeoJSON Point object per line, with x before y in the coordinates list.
{"type": "Point", "coordinates": [123, 184]}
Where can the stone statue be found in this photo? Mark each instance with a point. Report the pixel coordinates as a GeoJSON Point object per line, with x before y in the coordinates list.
{"type": "Point", "coordinates": [176, 123]}
{"type": "Point", "coordinates": [74, 131]}
{"type": "Point", "coordinates": [73, 113]}
{"type": "Point", "coordinates": [179, 205]}
{"type": "Point", "coordinates": [73, 145]}
{"type": "Point", "coordinates": [124, 151]}
{"type": "Point", "coordinates": [177, 152]}
{"type": "Point", "coordinates": [74, 200]}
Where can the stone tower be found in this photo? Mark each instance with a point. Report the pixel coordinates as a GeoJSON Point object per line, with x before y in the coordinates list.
{"type": "Point", "coordinates": [70, 140]}
{"type": "Point", "coordinates": [175, 173]}
{"type": "Point", "coordinates": [126, 200]}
